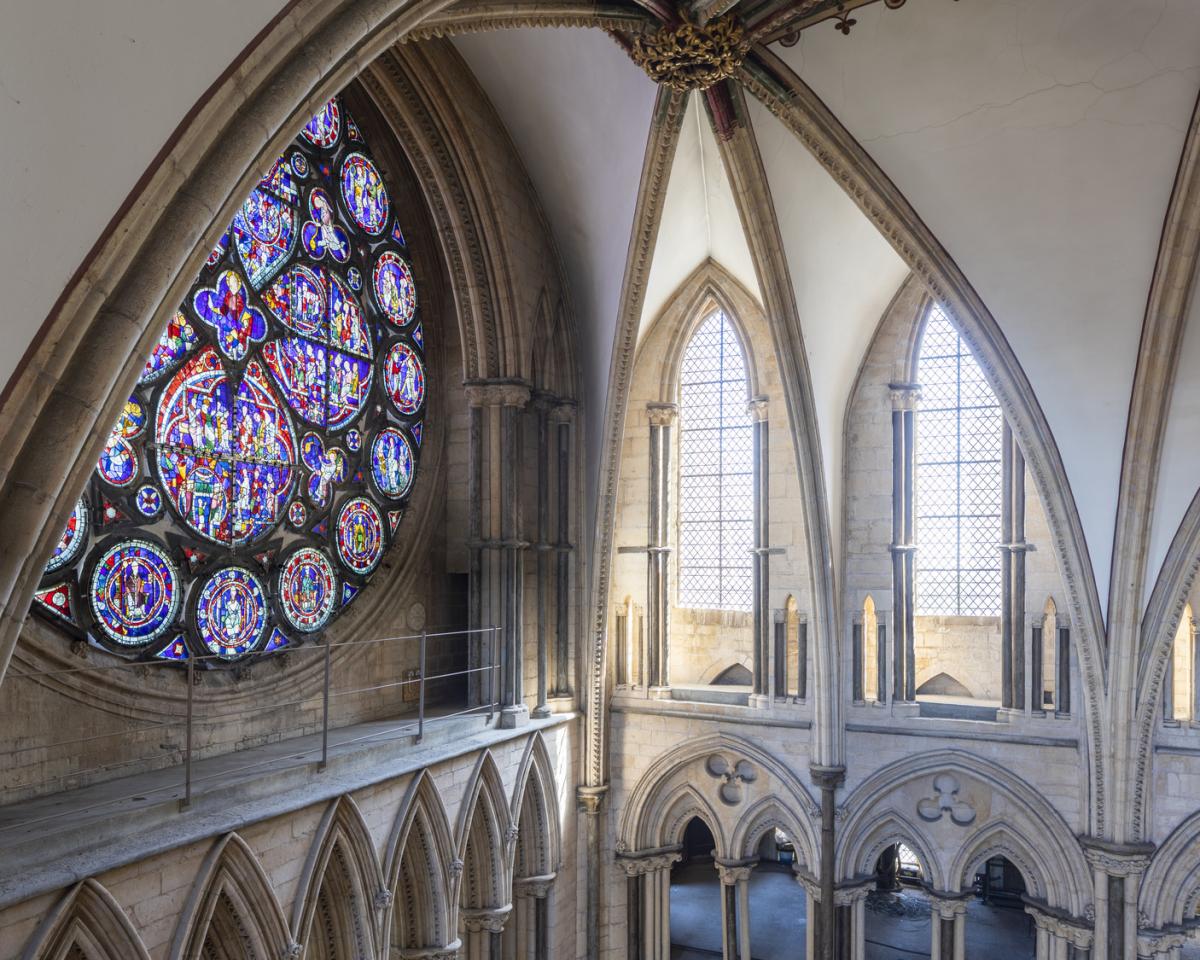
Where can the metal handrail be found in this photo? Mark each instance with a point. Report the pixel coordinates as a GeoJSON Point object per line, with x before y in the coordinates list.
{"type": "Point", "coordinates": [491, 649]}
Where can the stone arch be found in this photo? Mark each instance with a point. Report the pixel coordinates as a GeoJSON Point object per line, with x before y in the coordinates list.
{"type": "Point", "coordinates": [762, 816]}
{"type": "Point", "coordinates": [421, 880]}
{"type": "Point", "coordinates": [657, 807]}
{"type": "Point", "coordinates": [232, 912]}
{"type": "Point", "coordinates": [341, 893]}
{"type": "Point", "coordinates": [1003, 840]}
{"type": "Point", "coordinates": [1170, 889]}
{"type": "Point", "coordinates": [485, 839]}
{"type": "Point", "coordinates": [1027, 826]}
{"type": "Point", "coordinates": [86, 924]}
{"type": "Point", "coordinates": [859, 851]}
{"type": "Point", "coordinates": [710, 287]}
{"type": "Point", "coordinates": [538, 847]}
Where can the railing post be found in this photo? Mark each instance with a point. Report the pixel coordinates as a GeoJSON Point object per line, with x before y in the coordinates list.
{"type": "Point", "coordinates": [187, 749]}
{"type": "Point", "coordinates": [325, 708]}
{"type": "Point", "coordinates": [421, 692]}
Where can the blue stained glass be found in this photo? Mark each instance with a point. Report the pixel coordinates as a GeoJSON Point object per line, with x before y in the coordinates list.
{"type": "Point", "coordinates": [264, 232]}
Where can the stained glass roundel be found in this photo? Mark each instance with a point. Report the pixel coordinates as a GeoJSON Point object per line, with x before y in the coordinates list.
{"type": "Point", "coordinates": [307, 589]}
{"type": "Point", "coordinates": [264, 456]}
{"type": "Point", "coordinates": [134, 592]}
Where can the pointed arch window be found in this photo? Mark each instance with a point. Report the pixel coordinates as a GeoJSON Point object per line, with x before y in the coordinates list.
{"type": "Point", "coordinates": [716, 470]}
{"type": "Point", "coordinates": [958, 479]}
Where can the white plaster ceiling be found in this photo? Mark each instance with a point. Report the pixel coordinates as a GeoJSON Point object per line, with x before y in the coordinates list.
{"type": "Point", "coordinates": [844, 274]}
{"type": "Point", "coordinates": [1038, 139]}
{"type": "Point", "coordinates": [699, 219]}
{"type": "Point", "coordinates": [89, 93]}
{"type": "Point", "coordinates": [579, 112]}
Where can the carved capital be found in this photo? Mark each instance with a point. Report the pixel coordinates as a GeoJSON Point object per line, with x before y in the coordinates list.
{"type": "Point", "coordinates": [638, 865]}
{"type": "Point", "coordinates": [589, 799]}
{"type": "Point", "coordinates": [489, 920]}
{"type": "Point", "coordinates": [735, 871]}
{"type": "Point", "coordinates": [662, 414]}
{"type": "Point", "coordinates": [536, 887]}
{"type": "Point", "coordinates": [563, 412]}
{"type": "Point", "coordinates": [848, 896]}
{"type": "Point", "coordinates": [827, 778]}
{"type": "Point", "coordinates": [497, 393]}
{"type": "Point", "coordinates": [689, 57]}
{"type": "Point", "coordinates": [1118, 859]}
{"type": "Point", "coordinates": [292, 951]}
{"type": "Point", "coordinates": [905, 395]}
{"type": "Point", "coordinates": [383, 899]}
{"type": "Point", "coordinates": [456, 868]}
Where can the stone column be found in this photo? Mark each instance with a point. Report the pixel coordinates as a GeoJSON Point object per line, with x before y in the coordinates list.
{"type": "Point", "coordinates": [497, 456]}
{"type": "Point", "coordinates": [1117, 870]}
{"type": "Point", "coordinates": [857, 650]}
{"type": "Point", "coordinates": [534, 893]}
{"type": "Point", "coordinates": [763, 662]}
{"type": "Point", "coordinates": [542, 403]}
{"type": "Point", "coordinates": [802, 659]}
{"type": "Point", "coordinates": [1062, 670]}
{"type": "Point", "coordinates": [1058, 937]}
{"type": "Point", "coordinates": [589, 801]}
{"type": "Point", "coordinates": [828, 779]}
{"type": "Point", "coordinates": [662, 417]}
{"type": "Point", "coordinates": [648, 885]}
{"type": "Point", "coordinates": [562, 418]}
{"type": "Point", "coordinates": [904, 402]}
{"type": "Point", "coordinates": [484, 931]}
{"type": "Point", "coordinates": [735, 907]}
{"type": "Point", "coordinates": [948, 921]}
{"type": "Point", "coordinates": [851, 906]}
{"type": "Point", "coordinates": [1014, 693]}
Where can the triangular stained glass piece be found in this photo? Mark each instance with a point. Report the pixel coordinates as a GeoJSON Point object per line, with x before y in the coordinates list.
{"type": "Point", "coordinates": [277, 641]}
{"type": "Point", "coordinates": [352, 130]}
{"type": "Point", "coordinates": [394, 518]}
{"type": "Point", "coordinates": [358, 476]}
{"type": "Point", "coordinates": [321, 528]}
{"type": "Point", "coordinates": [418, 429]}
{"type": "Point", "coordinates": [57, 600]}
{"type": "Point", "coordinates": [195, 558]}
{"type": "Point", "coordinates": [398, 234]}
{"type": "Point", "coordinates": [418, 335]}
{"type": "Point", "coordinates": [349, 592]}
{"type": "Point", "coordinates": [111, 513]}
{"type": "Point", "coordinates": [175, 650]}
{"type": "Point", "coordinates": [264, 558]}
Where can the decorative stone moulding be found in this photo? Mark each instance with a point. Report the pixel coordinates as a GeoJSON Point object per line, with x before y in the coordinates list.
{"type": "Point", "coordinates": [732, 777]}
{"type": "Point", "coordinates": [945, 800]}
{"type": "Point", "coordinates": [688, 57]}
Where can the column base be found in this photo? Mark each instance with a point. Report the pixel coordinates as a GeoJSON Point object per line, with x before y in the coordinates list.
{"type": "Point", "coordinates": [515, 716]}
{"type": "Point", "coordinates": [658, 693]}
{"type": "Point", "coordinates": [906, 708]}
{"type": "Point", "coordinates": [541, 711]}
{"type": "Point", "coordinates": [759, 701]}
{"type": "Point", "coordinates": [1008, 714]}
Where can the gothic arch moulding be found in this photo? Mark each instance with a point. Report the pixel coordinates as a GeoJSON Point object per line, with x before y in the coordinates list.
{"type": "Point", "coordinates": [341, 895]}
{"type": "Point", "coordinates": [535, 813]}
{"type": "Point", "coordinates": [1170, 889]}
{"type": "Point", "coordinates": [232, 912]}
{"type": "Point", "coordinates": [725, 780]}
{"type": "Point", "coordinates": [423, 882]}
{"type": "Point", "coordinates": [86, 921]}
{"type": "Point", "coordinates": [973, 808]}
{"type": "Point", "coordinates": [485, 838]}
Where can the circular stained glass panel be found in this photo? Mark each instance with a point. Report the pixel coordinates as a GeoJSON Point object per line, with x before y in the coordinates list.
{"type": "Point", "coordinates": [364, 193]}
{"type": "Point", "coordinates": [360, 535]}
{"type": "Point", "coordinates": [391, 463]}
{"type": "Point", "coordinates": [134, 592]}
{"type": "Point", "coordinates": [404, 378]}
{"type": "Point", "coordinates": [394, 288]}
{"type": "Point", "coordinates": [231, 612]}
{"type": "Point", "coordinates": [148, 501]}
{"type": "Point", "coordinates": [73, 537]}
{"type": "Point", "coordinates": [325, 126]}
{"type": "Point", "coordinates": [307, 589]}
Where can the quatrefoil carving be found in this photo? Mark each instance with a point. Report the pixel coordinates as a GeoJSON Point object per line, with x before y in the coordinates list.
{"type": "Point", "coordinates": [945, 800]}
{"type": "Point", "coordinates": [731, 776]}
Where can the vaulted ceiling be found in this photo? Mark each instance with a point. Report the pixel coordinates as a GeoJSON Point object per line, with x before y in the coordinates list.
{"type": "Point", "coordinates": [1037, 139]}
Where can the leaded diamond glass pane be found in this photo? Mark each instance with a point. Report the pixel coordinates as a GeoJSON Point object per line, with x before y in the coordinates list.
{"type": "Point", "coordinates": [958, 479]}
{"type": "Point", "coordinates": [716, 471]}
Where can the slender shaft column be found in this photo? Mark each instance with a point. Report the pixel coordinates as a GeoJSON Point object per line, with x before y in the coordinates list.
{"type": "Point", "coordinates": [828, 779]}
{"type": "Point", "coordinates": [904, 401]}
{"type": "Point", "coordinates": [562, 418]}
{"type": "Point", "coordinates": [856, 660]}
{"type": "Point", "coordinates": [543, 547]}
{"type": "Point", "coordinates": [501, 575]}
{"type": "Point", "coordinates": [533, 894]}
{"type": "Point", "coordinates": [781, 655]}
{"type": "Point", "coordinates": [1117, 872]}
{"type": "Point", "coordinates": [648, 882]}
{"type": "Point", "coordinates": [477, 683]}
{"type": "Point", "coordinates": [589, 801]}
{"type": "Point", "coordinates": [735, 898]}
{"type": "Point", "coordinates": [763, 662]}
{"type": "Point", "coordinates": [851, 915]}
{"type": "Point", "coordinates": [1012, 578]}
{"type": "Point", "coordinates": [484, 931]}
{"type": "Point", "coordinates": [948, 918]}
{"type": "Point", "coordinates": [1060, 938]}
{"type": "Point", "coordinates": [881, 657]}
{"type": "Point", "coordinates": [662, 417]}
{"type": "Point", "coordinates": [802, 660]}
{"type": "Point", "coordinates": [1062, 670]}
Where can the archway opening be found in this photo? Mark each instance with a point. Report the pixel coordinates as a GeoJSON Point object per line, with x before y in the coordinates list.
{"type": "Point", "coordinates": [778, 908]}
{"type": "Point", "coordinates": [896, 918]}
{"type": "Point", "coordinates": [997, 926]}
{"type": "Point", "coordinates": [696, 896]}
